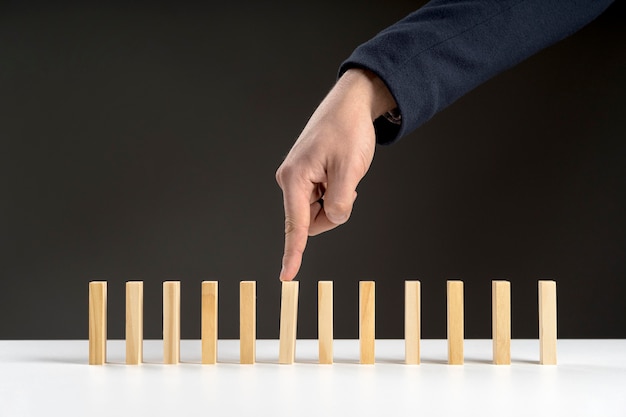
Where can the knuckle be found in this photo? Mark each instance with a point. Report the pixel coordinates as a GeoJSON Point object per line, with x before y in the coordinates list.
{"type": "Point", "coordinates": [291, 226]}
{"type": "Point", "coordinates": [280, 172]}
{"type": "Point", "coordinates": [286, 173]}
{"type": "Point", "coordinates": [291, 252]}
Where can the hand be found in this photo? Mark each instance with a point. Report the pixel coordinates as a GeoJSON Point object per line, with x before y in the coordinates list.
{"type": "Point", "coordinates": [328, 160]}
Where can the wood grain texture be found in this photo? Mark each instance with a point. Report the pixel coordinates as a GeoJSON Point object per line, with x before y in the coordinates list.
{"type": "Point", "coordinates": [367, 321]}
{"type": "Point", "coordinates": [171, 322]}
{"type": "Point", "coordinates": [455, 322]}
{"type": "Point", "coordinates": [134, 322]}
{"type": "Point", "coordinates": [247, 322]}
{"type": "Point", "coordinates": [325, 321]}
{"type": "Point", "coordinates": [547, 322]}
{"type": "Point", "coordinates": [209, 322]}
{"type": "Point", "coordinates": [412, 325]}
{"type": "Point", "coordinates": [288, 322]}
{"type": "Point", "coordinates": [97, 322]}
{"type": "Point", "coordinates": [501, 322]}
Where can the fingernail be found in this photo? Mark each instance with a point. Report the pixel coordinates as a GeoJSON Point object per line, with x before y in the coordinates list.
{"type": "Point", "coordinates": [337, 218]}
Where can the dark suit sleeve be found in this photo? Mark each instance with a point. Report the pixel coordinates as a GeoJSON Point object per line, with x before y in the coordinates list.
{"type": "Point", "coordinates": [446, 48]}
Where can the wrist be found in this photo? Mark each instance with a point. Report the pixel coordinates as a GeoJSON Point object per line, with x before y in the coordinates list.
{"type": "Point", "coordinates": [370, 90]}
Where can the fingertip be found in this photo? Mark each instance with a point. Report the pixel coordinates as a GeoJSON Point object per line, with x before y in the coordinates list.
{"type": "Point", "coordinates": [337, 217]}
{"type": "Point", "coordinates": [288, 271]}
{"type": "Point", "coordinates": [283, 276]}
{"type": "Point", "coordinates": [338, 209]}
{"type": "Point", "coordinates": [338, 212]}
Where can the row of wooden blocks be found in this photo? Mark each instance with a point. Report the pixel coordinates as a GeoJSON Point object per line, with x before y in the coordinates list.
{"type": "Point", "coordinates": [501, 322]}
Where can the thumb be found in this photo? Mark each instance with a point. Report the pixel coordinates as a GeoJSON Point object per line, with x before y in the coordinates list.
{"type": "Point", "coordinates": [340, 195]}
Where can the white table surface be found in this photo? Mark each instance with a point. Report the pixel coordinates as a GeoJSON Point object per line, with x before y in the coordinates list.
{"type": "Point", "coordinates": [44, 378]}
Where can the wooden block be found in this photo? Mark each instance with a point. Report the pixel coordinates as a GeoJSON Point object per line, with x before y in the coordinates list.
{"type": "Point", "coordinates": [412, 322]}
{"type": "Point", "coordinates": [134, 322]}
{"type": "Point", "coordinates": [367, 322]}
{"type": "Point", "coordinates": [288, 322]}
{"type": "Point", "coordinates": [209, 322]}
{"type": "Point", "coordinates": [547, 322]}
{"type": "Point", "coordinates": [171, 322]}
{"type": "Point", "coordinates": [247, 322]}
{"type": "Point", "coordinates": [97, 322]}
{"type": "Point", "coordinates": [455, 322]}
{"type": "Point", "coordinates": [501, 322]}
{"type": "Point", "coordinates": [325, 321]}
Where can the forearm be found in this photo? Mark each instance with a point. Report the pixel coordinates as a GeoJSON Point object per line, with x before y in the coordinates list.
{"type": "Point", "coordinates": [445, 49]}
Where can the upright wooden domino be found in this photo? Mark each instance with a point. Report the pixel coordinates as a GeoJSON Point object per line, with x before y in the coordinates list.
{"type": "Point", "coordinates": [325, 321]}
{"type": "Point", "coordinates": [97, 322]}
{"type": "Point", "coordinates": [209, 322]}
{"type": "Point", "coordinates": [455, 322]}
{"type": "Point", "coordinates": [367, 322]}
{"type": "Point", "coordinates": [288, 322]}
{"type": "Point", "coordinates": [412, 322]}
{"type": "Point", "coordinates": [501, 322]}
{"type": "Point", "coordinates": [547, 322]}
{"type": "Point", "coordinates": [171, 322]}
{"type": "Point", "coordinates": [134, 322]}
{"type": "Point", "coordinates": [247, 322]}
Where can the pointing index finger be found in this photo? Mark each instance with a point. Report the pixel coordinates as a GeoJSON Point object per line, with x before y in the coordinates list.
{"type": "Point", "coordinates": [296, 196]}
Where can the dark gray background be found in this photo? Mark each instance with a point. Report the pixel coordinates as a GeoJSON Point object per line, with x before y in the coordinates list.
{"type": "Point", "coordinates": [139, 142]}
